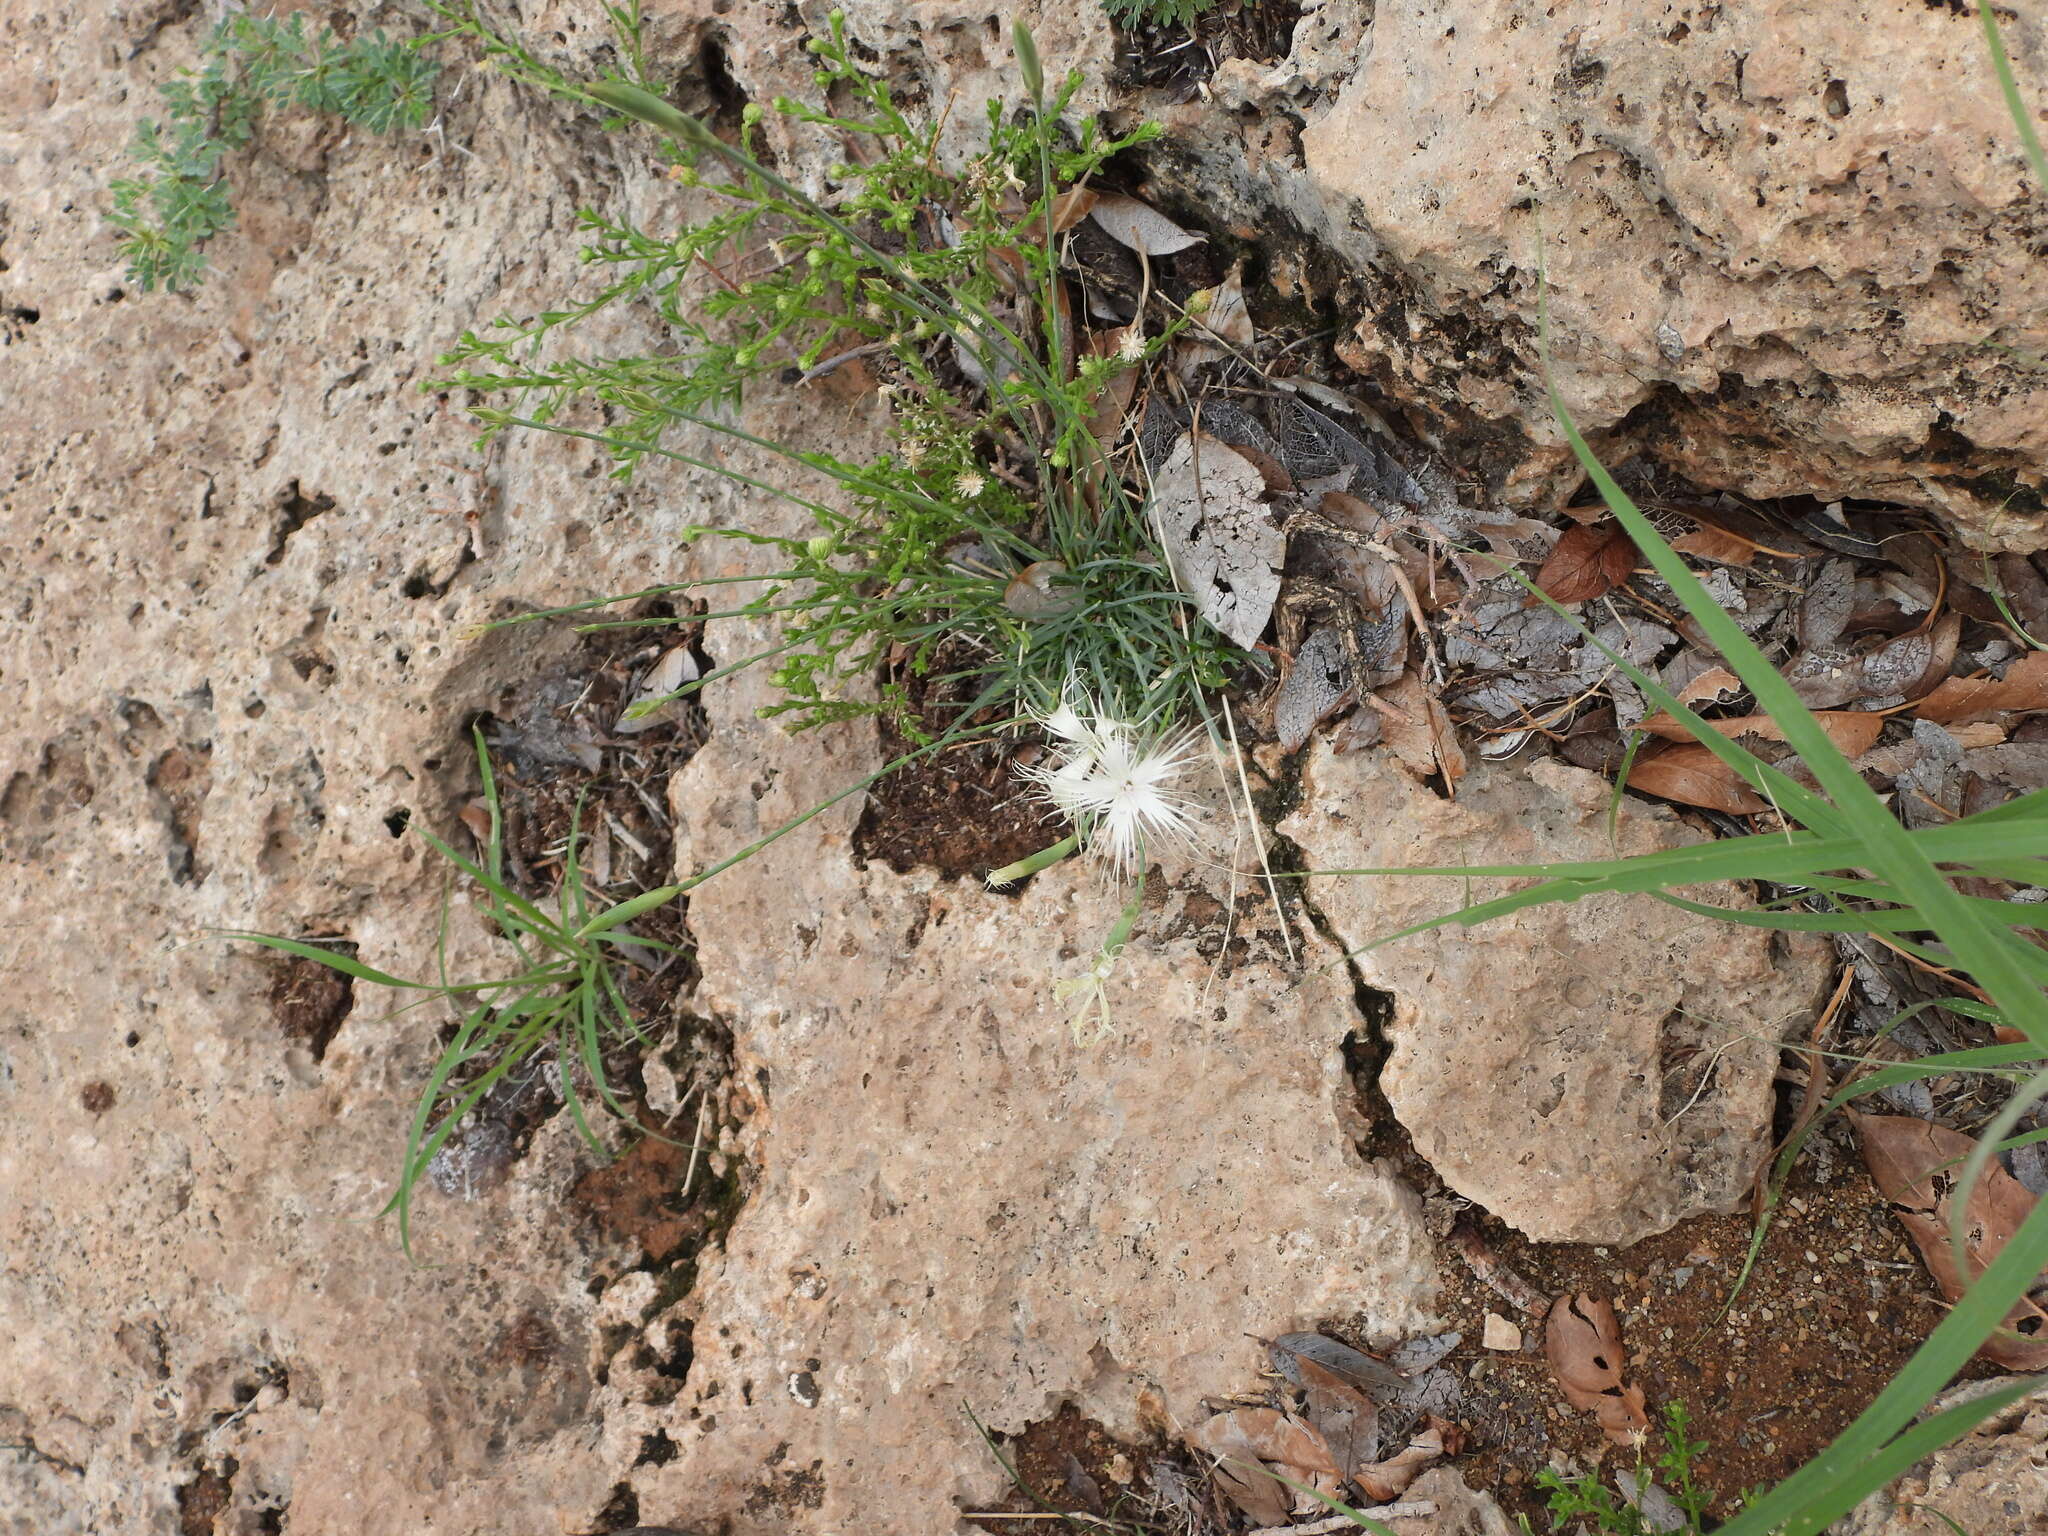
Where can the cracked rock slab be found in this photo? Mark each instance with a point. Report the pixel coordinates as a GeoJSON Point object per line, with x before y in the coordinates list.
{"type": "Point", "coordinates": [962, 1209]}
{"type": "Point", "coordinates": [1592, 1071]}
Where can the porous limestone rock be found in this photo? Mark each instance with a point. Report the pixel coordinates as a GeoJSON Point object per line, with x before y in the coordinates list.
{"type": "Point", "coordinates": [243, 596]}
{"type": "Point", "coordinates": [1792, 248]}
{"type": "Point", "coordinates": [962, 1209]}
{"type": "Point", "coordinates": [1990, 1483]}
{"type": "Point", "coordinates": [1590, 1071]}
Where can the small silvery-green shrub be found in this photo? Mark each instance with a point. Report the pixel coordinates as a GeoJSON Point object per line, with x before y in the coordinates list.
{"type": "Point", "coordinates": [180, 199]}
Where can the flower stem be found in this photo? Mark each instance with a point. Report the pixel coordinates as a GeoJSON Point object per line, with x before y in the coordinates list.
{"type": "Point", "coordinates": [1031, 864]}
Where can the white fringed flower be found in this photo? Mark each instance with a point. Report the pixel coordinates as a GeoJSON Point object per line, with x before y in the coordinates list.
{"type": "Point", "coordinates": [1116, 783]}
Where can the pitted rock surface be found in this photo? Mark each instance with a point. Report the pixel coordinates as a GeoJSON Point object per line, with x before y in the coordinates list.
{"type": "Point", "coordinates": [1590, 1071]}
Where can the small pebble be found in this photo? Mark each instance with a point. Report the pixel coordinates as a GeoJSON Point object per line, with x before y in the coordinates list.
{"type": "Point", "coordinates": [1500, 1334]}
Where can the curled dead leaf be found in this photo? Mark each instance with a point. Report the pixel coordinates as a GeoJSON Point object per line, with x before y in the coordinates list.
{"type": "Point", "coordinates": [1033, 593]}
{"type": "Point", "coordinates": [1389, 1479]}
{"type": "Point", "coordinates": [1335, 1382]}
{"type": "Point", "coordinates": [1233, 1441]}
{"type": "Point", "coordinates": [1853, 731]}
{"type": "Point", "coordinates": [1139, 225]}
{"type": "Point", "coordinates": [1582, 1342]}
{"type": "Point", "coordinates": [1072, 206]}
{"type": "Point", "coordinates": [1418, 730]}
{"type": "Point", "coordinates": [1916, 1165]}
{"type": "Point", "coordinates": [1588, 560]}
{"type": "Point", "coordinates": [675, 667]}
{"type": "Point", "coordinates": [1708, 542]}
{"type": "Point", "coordinates": [477, 817]}
{"type": "Point", "coordinates": [1690, 774]}
{"type": "Point", "coordinates": [1715, 685]}
{"type": "Point", "coordinates": [1958, 700]}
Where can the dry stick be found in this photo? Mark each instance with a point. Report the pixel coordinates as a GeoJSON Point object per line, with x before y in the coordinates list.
{"type": "Point", "coordinates": [1816, 1077]}
{"type": "Point", "coordinates": [1401, 1511]}
{"type": "Point", "coordinates": [1487, 1267]}
{"type": "Point", "coordinates": [1258, 842]}
{"type": "Point", "coordinates": [696, 1147]}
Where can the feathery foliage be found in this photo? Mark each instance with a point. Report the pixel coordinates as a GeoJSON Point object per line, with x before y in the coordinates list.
{"type": "Point", "coordinates": [180, 199]}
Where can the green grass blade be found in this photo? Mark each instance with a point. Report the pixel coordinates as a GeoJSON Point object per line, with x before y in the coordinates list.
{"type": "Point", "coordinates": [2009, 87]}
{"type": "Point", "coordinates": [348, 965]}
{"type": "Point", "coordinates": [1857, 1462]}
{"type": "Point", "coordinates": [1889, 848]}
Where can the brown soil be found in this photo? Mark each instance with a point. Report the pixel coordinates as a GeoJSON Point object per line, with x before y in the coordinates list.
{"type": "Point", "coordinates": [203, 1500]}
{"type": "Point", "coordinates": [309, 1001]}
{"type": "Point", "coordinates": [1179, 58]}
{"type": "Point", "coordinates": [962, 811]}
{"type": "Point", "coordinates": [1836, 1303]}
{"type": "Point", "coordinates": [561, 770]}
{"type": "Point", "coordinates": [1835, 1306]}
{"type": "Point", "coordinates": [1071, 1464]}
{"type": "Point", "coordinates": [642, 1196]}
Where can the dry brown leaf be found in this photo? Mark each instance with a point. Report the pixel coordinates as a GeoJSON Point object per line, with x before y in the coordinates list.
{"type": "Point", "coordinates": [1853, 731]}
{"type": "Point", "coordinates": [1692, 775]}
{"type": "Point", "coordinates": [1582, 1342]}
{"type": "Point", "coordinates": [1239, 1470]}
{"type": "Point", "coordinates": [1588, 560]}
{"type": "Point", "coordinates": [1346, 1418]}
{"type": "Point", "coordinates": [1226, 317]}
{"type": "Point", "coordinates": [1916, 1164]}
{"type": "Point", "coordinates": [1140, 226]}
{"type": "Point", "coordinates": [1337, 1384]}
{"type": "Point", "coordinates": [1707, 542]}
{"type": "Point", "coordinates": [1418, 731]}
{"type": "Point", "coordinates": [1384, 1481]}
{"type": "Point", "coordinates": [477, 817]}
{"type": "Point", "coordinates": [1073, 205]}
{"type": "Point", "coordinates": [1984, 733]}
{"type": "Point", "coordinates": [1714, 685]}
{"type": "Point", "coordinates": [1959, 700]}
{"type": "Point", "coordinates": [1034, 593]}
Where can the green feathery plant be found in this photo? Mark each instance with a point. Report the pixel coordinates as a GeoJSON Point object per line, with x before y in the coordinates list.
{"type": "Point", "coordinates": [994, 550]}
{"type": "Point", "coordinates": [1581, 1503]}
{"type": "Point", "coordinates": [1159, 13]}
{"type": "Point", "coordinates": [991, 549]}
{"type": "Point", "coordinates": [181, 200]}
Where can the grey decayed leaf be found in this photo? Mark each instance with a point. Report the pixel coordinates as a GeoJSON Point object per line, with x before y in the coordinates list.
{"type": "Point", "coordinates": [675, 667]}
{"type": "Point", "coordinates": [1314, 690]}
{"type": "Point", "coordinates": [1140, 226]}
{"type": "Point", "coordinates": [1419, 1354]}
{"type": "Point", "coordinates": [1659, 1510]}
{"type": "Point", "coordinates": [1374, 1377]}
{"type": "Point", "coordinates": [1220, 541]}
{"type": "Point", "coordinates": [1824, 610]}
